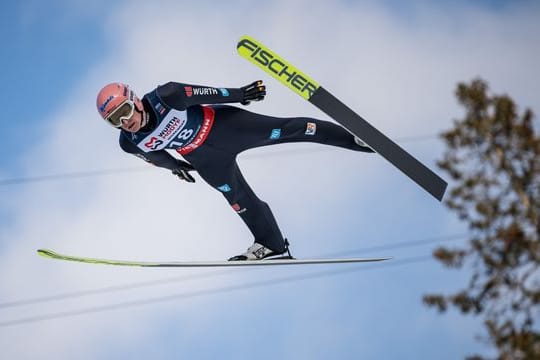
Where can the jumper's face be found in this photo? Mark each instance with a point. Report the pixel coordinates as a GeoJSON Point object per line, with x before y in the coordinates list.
{"type": "Point", "coordinates": [134, 122]}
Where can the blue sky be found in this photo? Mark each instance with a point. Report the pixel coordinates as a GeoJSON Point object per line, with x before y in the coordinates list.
{"type": "Point", "coordinates": [47, 48]}
{"type": "Point", "coordinates": [401, 63]}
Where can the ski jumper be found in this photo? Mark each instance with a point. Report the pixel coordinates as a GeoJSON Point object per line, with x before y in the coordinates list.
{"type": "Point", "coordinates": [211, 136]}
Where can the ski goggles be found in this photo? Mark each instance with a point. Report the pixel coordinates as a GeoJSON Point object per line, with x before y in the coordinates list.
{"type": "Point", "coordinates": [121, 113]}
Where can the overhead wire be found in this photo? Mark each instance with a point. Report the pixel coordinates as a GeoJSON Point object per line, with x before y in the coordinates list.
{"type": "Point", "coordinates": [382, 247]}
{"type": "Point", "coordinates": [70, 175]}
{"type": "Point", "coordinates": [225, 289]}
{"type": "Point", "coordinates": [104, 172]}
{"type": "Point", "coordinates": [185, 295]}
{"type": "Point", "coordinates": [205, 292]}
{"type": "Point", "coordinates": [158, 282]}
{"type": "Point", "coordinates": [108, 289]}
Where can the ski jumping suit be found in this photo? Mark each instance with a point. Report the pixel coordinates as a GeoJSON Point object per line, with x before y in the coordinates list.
{"type": "Point", "coordinates": [211, 136]}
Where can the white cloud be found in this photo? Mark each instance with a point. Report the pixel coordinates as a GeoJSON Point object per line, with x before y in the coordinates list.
{"type": "Point", "coordinates": [399, 76]}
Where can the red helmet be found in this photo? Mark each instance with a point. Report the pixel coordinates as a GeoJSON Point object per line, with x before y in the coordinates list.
{"type": "Point", "coordinates": [117, 101]}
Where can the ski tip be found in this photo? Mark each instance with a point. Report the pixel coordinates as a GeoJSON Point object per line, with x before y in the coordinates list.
{"type": "Point", "coordinates": [45, 253]}
{"type": "Point", "coordinates": [277, 67]}
{"type": "Point", "coordinates": [244, 38]}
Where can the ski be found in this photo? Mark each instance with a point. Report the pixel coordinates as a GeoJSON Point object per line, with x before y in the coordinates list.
{"type": "Point", "coordinates": [284, 261]}
{"type": "Point", "coordinates": [309, 89]}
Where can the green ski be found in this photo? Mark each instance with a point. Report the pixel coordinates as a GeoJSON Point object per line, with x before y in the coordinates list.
{"type": "Point", "coordinates": [281, 261]}
{"type": "Point", "coordinates": [310, 90]}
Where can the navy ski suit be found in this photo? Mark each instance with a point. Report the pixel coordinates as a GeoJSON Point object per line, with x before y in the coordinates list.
{"type": "Point", "coordinates": [211, 136]}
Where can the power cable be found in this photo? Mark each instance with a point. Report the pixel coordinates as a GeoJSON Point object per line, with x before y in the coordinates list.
{"type": "Point", "coordinates": [176, 279]}
{"type": "Point", "coordinates": [402, 244]}
{"type": "Point", "coordinates": [137, 285]}
{"type": "Point", "coordinates": [109, 289]}
{"type": "Point", "coordinates": [206, 292]}
{"type": "Point", "coordinates": [95, 173]}
{"type": "Point", "coordinates": [73, 175]}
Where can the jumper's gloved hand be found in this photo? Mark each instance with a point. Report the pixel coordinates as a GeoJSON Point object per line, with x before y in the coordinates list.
{"type": "Point", "coordinates": [182, 171]}
{"type": "Point", "coordinates": [253, 92]}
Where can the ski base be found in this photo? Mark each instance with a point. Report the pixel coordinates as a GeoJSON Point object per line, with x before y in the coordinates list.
{"type": "Point", "coordinates": [279, 261]}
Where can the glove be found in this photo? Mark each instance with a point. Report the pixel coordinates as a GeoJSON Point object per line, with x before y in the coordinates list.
{"type": "Point", "coordinates": [182, 171]}
{"type": "Point", "coordinates": [253, 92]}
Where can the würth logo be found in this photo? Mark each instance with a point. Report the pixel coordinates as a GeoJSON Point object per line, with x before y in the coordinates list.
{"type": "Point", "coordinates": [205, 91]}
{"type": "Point", "coordinates": [190, 91]}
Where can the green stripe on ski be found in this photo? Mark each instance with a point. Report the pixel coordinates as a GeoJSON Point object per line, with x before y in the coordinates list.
{"type": "Point", "coordinates": [276, 66]}
{"type": "Point", "coordinates": [54, 255]}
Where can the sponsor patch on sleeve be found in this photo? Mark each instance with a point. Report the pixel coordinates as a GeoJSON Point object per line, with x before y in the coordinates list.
{"type": "Point", "coordinates": [224, 188]}
{"type": "Point", "coordinates": [276, 134]}
{"type": "Point", "coordinates": [311, 128]}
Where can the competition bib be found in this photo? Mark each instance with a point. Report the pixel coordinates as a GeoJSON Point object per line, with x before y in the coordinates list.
{"type": "Point", "coordinates": [171, 133]}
